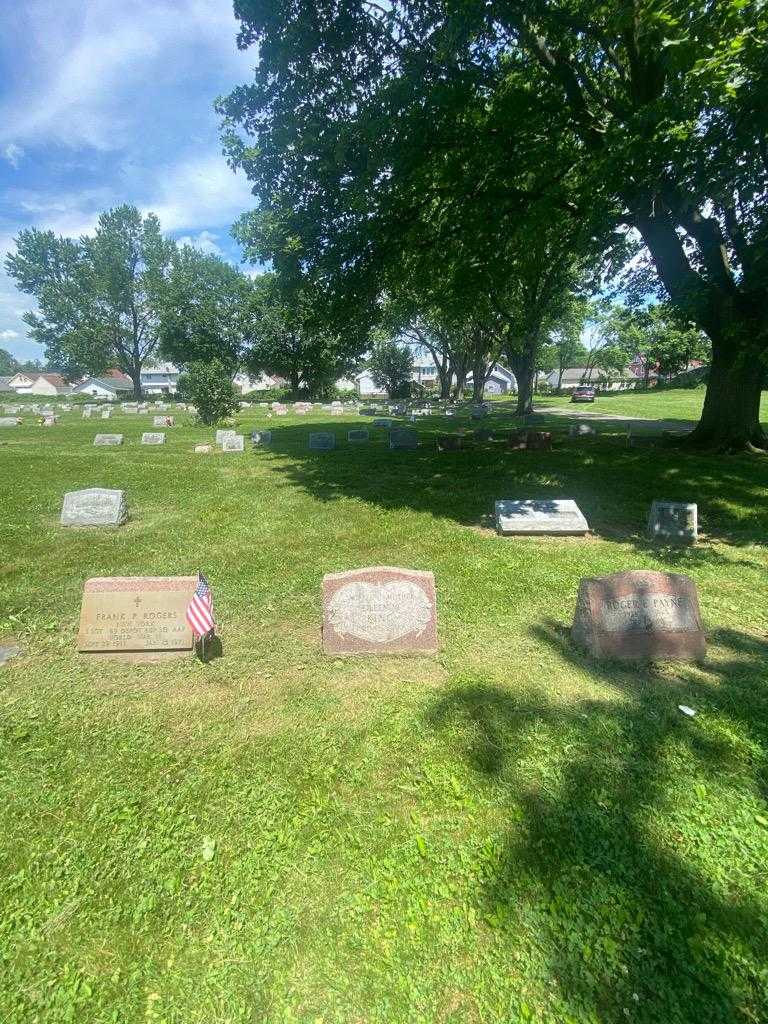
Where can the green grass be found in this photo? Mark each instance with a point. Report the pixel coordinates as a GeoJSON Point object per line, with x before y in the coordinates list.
{"type": "Point", "coordinates": [507, 832]}
{"type": "Point", "coordinates": [675, 403]}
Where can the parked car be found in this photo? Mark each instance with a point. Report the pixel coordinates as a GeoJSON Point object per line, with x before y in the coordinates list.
{"type": "Point", "coordinates": [583, 394]}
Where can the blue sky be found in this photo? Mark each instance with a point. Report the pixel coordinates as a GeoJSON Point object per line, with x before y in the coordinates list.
{"type": "Point", "coordinates": [103, 102]}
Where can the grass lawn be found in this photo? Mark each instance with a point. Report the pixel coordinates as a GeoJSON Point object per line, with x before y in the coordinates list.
{"type": "Point", "coordinates": [676, 403]}
{"type": "Point", "coordinates": [506, 832]}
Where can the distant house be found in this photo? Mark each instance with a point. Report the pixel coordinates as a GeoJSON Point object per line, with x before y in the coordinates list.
{"type": "Point", "coordinates": [605, 380]}
{"type": "Point", "coordinates": [111, 385]}
{"type": "Point", "coordinates": [50, 384]}
{"type": "Point", "coordinates": [500, 382]}
{"type": "Point", "coordinates": [366, 387]}
{"type": "Point", "coordinates": [161, 379]}
{"type": "Point", "coordinates": [244, 384]}
{"type": "Point", "coordinates": [21, 382]}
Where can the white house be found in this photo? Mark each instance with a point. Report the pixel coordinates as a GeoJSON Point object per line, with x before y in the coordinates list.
{"type": "Point", "coordinates": [245, 384]}
{"type": "Point", "coordinates": [500, 382]}
{"type": "Point", "coordinates": [21, 382]}
{"type": "Point", "coordinates": [51, 384]}
{"type": "Point", "coordinates": [109, 387]}
{"type": "Point", "coordinates": [161, 379]}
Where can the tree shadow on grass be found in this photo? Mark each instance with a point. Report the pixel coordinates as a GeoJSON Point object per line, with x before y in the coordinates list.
{"type": "Point", "coordinates": [614, 486]}
{"type": "Point", "coordinates": [612, 862]}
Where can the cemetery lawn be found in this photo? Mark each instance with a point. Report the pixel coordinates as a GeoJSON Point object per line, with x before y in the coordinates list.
{"type": "Point", "coordinates": [506, 832]}
{"type": "Point", "coordinates": [671, 404]}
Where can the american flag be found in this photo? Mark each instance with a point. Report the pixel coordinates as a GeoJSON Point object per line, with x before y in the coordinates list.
{"type": "Point", "coordinates": [200, 609]}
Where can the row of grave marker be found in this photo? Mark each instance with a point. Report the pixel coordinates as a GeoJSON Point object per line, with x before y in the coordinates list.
{"type": "Point", "coordinates": [390, 610]}
{"type": "Point", "coordinates": [675, 522]}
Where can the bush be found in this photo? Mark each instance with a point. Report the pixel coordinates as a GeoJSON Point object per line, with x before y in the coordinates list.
{"type": "Point", "coordinates": [209, 387]}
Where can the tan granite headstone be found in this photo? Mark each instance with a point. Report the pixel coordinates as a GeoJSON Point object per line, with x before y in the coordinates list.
{"type": "Point", "coordinates": [640, 614]}
{"type": "Point", "coordinates": [379, 610]}
{"type": "Point", "coordinates": [136, 614]}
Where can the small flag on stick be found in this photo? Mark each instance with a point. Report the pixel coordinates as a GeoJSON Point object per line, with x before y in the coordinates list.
{"type": "Point", "coordinates": [200, 609]}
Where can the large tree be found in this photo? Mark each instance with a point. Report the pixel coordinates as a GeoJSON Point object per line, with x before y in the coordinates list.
{"type": "Point", "coordinates": [649, 117]}
{"type": "Point", "coordinates": [99, 297]}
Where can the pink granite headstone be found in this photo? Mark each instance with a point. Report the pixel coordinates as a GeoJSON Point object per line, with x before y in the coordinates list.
{"type": "Point", "coordinates": [379, 610]}
{"type": "Point", "coordinates": [640, 614]}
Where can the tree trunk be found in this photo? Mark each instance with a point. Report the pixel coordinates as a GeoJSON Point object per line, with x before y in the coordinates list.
{"type": "Point", "coordinates": [135, 375]}
{"type": "Point", "coordinates": [522, 367]}
{"type": "Point", "coordinates": [479, 367]}
{"type": "Point", "coordinates": [295, 381]}
{"type": "Point", "coordinates": [445, 383]}
{"type": "Point", "coordinates": [730, 418]}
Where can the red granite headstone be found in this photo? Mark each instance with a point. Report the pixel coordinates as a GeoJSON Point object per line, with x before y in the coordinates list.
{"type": "Point", "coordinates": [379, 610]}
{"type": "Point", "coordinates": [640, 614]}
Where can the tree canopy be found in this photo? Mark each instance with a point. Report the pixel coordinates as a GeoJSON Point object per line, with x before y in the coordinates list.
{"type": "Point", "coordinates": [366, 122]}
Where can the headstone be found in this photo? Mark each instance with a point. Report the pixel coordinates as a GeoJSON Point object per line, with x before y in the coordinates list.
{"type": "Point", "coordinates": [49, 421]}
{"type": "Point", "coordinates": [9, 421]}
{"type": "Point", "coordinates": [281, 412]}
{"type": "Point", "coordinates": [108, 439]}
{"type": "Point", "coordinates": [403, 438]}
{"type": "Point", "coordinates": [150, 438]}
{"type": "Point", "coordinates": [203, 449]}
{"type": "Point", "coordinates": [540, 517]}
{"type": "Point", "coordinates": [130, 407]}
{"type": "Point", "coordinates": [540, 440]}
{"type": "Point", "coordinates": [379, 610]}
{"type": "Point", "coordinates": [322, 441]}
{"type": "Point", "coordinates": [674, 521]}
{"type": "Point", "coordinates": [336, 410]}
{"type": "Point", "coordinates": [222, 434]}
{"type": "Point", "coordinates": [95, 506]}
{"type": "Point", "coordinates": [582, 430]}
{"type": "Point", "coordinates": [336, 405]}
{"type": "Point", "coordinates": [454, 443]}
{"type": "Point", "coordinates": [478, 412]}
{"type": "Point", "coordinates": [384, 423]}
{"type": "Point", "coordinates": [367, 411]}
{"type": "Point", "coordinates": [640, 614]}
{"type": "Point", "coordinates": [106, 413]}
{"type": "Point", "coordinates": [357, 435]}
{"type": "Point", "coordinates": [236, 443]}
{"type": "Point", "coordinates": [133, 615]}
{"type": "Point", "coordinates": [162, 421]}
{"type": "Point", "coordinates": [449, 412]}
{"type": "Point", "coordinates": [86, 414]}
{"type": "Point", "coordinates": [261, 438]}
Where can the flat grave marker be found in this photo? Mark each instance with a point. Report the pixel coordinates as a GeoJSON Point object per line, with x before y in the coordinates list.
{"type": "Point", "coordinates": [152, 438]}
{"type": "Point", "coordinates": [379, 610]}
{"type": "Point", "coordinates": [94, 506]}
{"type": "Point", "coordinates": [542, 516]}
{"type": "Point", "coordinates": [131, 616]}
{"type": "Point", "coordinates": [9, 421]}
{"type": "Point", "coordinates": [640, 614]}
{"type": "Point", "coordinates": [108, 439]}
{"type": "Point", "coordinates": [261, 438]}
{"type": "Point", "coordinates": [221, 434]}
{"type": "Point", "coordinates": [582, 430]}
{"type": "Point", "coordinates": [383, 422]}
{"type": "Point", "coordinates": [357, 436]}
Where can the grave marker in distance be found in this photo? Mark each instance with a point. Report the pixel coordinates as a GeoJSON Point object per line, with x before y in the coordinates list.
{"type": "Point", "coordinates": [322, 441]}
{"type": "Point", "coordinates": [236, 443]}
{"type": "Point", "coordinates": [94, 506]}
{"type": "Point", "coordinates": [674, 521]}
{"type": "Point", "coordinates": [130, 616]}
{"type": "Point", "coordinates": [261, 438]}
{"type": "Point", "coordinates": [379, 610]}
{"type": "Point", "coordinates": [108, 439]}
{"type": "Point", "coordinates": [150, 438]}
{"type": "Point", "coordinates": [357, 435]}
{"type": "Point", "coordinates": [403, 438]}
{"type": "Point", "coordinates": [640, 614]}
{"type": "Point", "coordinates": [545, 516]}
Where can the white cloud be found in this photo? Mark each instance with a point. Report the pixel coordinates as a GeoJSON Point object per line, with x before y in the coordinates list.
{"type": "Point", "coordinates": [13, 154]}
{"type": "Point", "coordinates": [205, 242]}
{"type": "Point", "coordinates": [9, 335]}
{"type": "Point", "coordinates": [86, 65]}
{"type": "Point", "coordinates": [198, 193]}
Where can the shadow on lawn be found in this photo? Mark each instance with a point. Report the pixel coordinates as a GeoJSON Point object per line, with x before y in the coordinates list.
{"type": "Point", "coordinates": [614, 486]}
{"type": "Point", "coordinates": [630, 925]}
